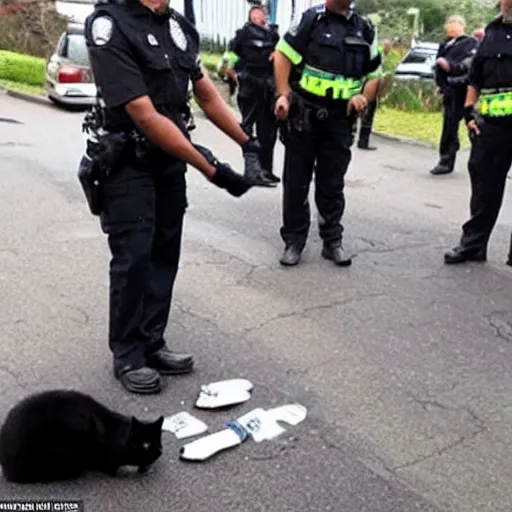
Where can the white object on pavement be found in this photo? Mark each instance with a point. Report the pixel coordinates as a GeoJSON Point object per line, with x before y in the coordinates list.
{"type": "Point", "coordinates": [184, 425]}
{"type": "Point", "coordinates": [293, 414]}
{"type": "Point", "coordinates": [207, 446]}
{"type": "Point", "coordinates": [260, 425]}
{"type": "Point", "coordinates": [224, 393]}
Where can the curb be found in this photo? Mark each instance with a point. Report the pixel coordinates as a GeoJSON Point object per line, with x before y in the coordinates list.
{"type": "Point", "coordinates": [42, 100]}
{"type": "Point", "coordinates": [403, 140]}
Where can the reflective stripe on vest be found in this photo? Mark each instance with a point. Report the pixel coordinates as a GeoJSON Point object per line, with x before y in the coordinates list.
{"type": "Point", "coordinates": [320, 83]}
{"type": "Point", "coordinates": [496, 105]}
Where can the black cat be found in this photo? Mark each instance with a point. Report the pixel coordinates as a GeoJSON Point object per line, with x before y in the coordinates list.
{"type": "Point", "coordinates": [59, 435]}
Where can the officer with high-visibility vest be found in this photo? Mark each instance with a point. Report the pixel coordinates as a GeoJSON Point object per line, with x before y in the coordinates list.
{"type": "Point", "coordinates": [488, 114]}
{"type": "Point", "coordinates": [319, 66]}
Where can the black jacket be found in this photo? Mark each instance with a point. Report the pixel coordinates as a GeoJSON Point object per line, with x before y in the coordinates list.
{"type": "Point", "coordinates": [459, 53]}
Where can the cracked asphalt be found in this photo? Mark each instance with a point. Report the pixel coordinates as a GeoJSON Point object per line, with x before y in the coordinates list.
{"type": "Point", "coordinates": [404, 364]}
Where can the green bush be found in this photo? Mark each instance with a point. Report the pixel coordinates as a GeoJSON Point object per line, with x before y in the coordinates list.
{"type": "Point", "coordinates": [210, 61]}
{"type": "Point", "coordinates": [415, 95]}
{"type": "Point", "coordinates": [21, 68]}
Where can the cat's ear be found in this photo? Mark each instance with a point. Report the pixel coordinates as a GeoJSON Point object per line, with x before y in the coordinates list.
{"type": "Point", "coordinates": [159, 422]}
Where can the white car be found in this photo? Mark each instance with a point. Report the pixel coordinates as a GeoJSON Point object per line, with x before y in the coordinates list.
{"type": "Point", "coordinates": [69, 80]}
{"type": "Point", "coordinates": [418, 62]}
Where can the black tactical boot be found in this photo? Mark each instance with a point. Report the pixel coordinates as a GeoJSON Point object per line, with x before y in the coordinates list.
{"type": "Point", "coordinates": [364, 143]}
{"type": "Point", "coordinates": [461, 255]}
{"type": "Point", "coordinates": [166, 362]}
{"type": "Point", "coordinates": [336, 254]}
{"type": "Point", "coordinates": [291, 256]}
{"type": "Point", "coordinates": [441, 169]}
{"type": "Point", "coordinates": [144, 381]}
{"type": "Point", "coordinates": [270, 176]}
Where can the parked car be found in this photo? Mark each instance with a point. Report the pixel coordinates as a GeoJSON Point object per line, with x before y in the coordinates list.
{"type": "Point", "coordinates": [418, 62]}
{"type": "Point", "coordinates": [69, 79]}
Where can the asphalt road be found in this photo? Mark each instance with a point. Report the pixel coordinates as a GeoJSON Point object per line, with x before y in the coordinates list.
{"type": "Point", "coordinates": [404, 364]}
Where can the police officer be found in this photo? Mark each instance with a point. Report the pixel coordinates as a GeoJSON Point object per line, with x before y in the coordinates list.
{"type": "Point", "coordinates": [452, 66]}
{"type": "Point", "coordinates": [490, 85]}
{"type": "Point", "coordinates": [144, 55]}
{"type": "Point", "coordinates": [319, 68]}
{"type": "Point", "coordinates": [251, 52]}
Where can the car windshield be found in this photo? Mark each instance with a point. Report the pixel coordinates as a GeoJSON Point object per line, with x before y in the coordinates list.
{"type": "Point", "coordinates": [418, 57]}
{"type": "Point", "coordinates": [77, 50]}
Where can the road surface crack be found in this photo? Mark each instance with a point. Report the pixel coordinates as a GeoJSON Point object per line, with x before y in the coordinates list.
{"type": "Point", "coordinates": [428, 405]}
{"type": "Point", "coordinates": [501, 322]}
{"type": "Point", "coordinates": [310, 309]}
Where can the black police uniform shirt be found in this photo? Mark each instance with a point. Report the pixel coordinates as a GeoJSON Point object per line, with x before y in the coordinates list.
{"type": "Point", "coordinates": [491, 69]}
{"type": "Point", "coordinates": [459, 52]}
{"type": "Point", "coordinates": [252, 47]}
{"type": "Point", "coordinates": [331, 55]}
{"type": "Point", "coordinates": [135, 52]}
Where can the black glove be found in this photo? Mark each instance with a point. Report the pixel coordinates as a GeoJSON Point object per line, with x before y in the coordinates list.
{"type": "Point", "coordinates": [469, 114]}
{"type": "Point", "coordinates": [225, 177]}
{"type": "Point", "coordinates": [253, 171]}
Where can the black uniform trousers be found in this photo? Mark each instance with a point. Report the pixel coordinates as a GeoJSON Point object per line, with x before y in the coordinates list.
{"type": "Point", "coordinates": [453, 112]}
{"type": "Point", "coordinates": [489, 164]}
{"type": "Point", "coordinates": [367, 123]}
{"type": "Point", "coordinates": [326, 142]}
{"type": "Point", "coordinates": [144, 204]}
{"type": "Point", "coordinates": [256, 103]}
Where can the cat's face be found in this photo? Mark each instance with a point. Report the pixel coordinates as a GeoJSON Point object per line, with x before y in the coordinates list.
{"type": "Point", "coordinates": [145, 444]}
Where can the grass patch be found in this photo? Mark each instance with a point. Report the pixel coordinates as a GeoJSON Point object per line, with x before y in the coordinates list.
{"type": "Point", "coordinates": [22, 68]}
{"type": "Point", "coordinates": [421, 126]}
{"type": "Point", "coordinates": [26, 88]}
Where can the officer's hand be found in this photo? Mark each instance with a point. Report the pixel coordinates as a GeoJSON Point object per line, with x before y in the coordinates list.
{"type": "Point", "coordinates": [473, 128]}
{"type": "Point", "coordinates": [282, 108]}
{"type": "Point", "coordinates": [225, 177]}
{"type": "Point", "coordinates": [443, 64]}
{"type": "Point", "coordinates": [357, 103]}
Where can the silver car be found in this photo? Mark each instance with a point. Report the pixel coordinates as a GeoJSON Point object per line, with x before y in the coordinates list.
{"type": "Point", "coordinates": [69, 80]}
{"type": "Point", "coordinates": [418, 62]}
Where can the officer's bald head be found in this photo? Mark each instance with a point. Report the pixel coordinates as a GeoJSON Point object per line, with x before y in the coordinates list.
{"type": "Point", "coordinates": [258, 16]}
{"type": "Point", "coordinates": [338, 6]}
{"type": "Point", "coordinates": [506, 6]}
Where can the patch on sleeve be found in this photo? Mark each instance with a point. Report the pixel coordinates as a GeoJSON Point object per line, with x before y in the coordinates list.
{"type": "Point", "coordinates": [101, 30]}
{"type": "Point", "coordinates": [177, 34]}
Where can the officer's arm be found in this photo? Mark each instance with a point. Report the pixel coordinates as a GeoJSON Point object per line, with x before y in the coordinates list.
{"type": "Point", "coordinates": [475, 80]}
{"type": "Point", "coordinates": [290, 51]}
{"type": "Point", "coordinates": [463, 65]}
{"type": "Point", "coordinates": [216, 109]}
{"type": "Point", "coordinates": [162, 132]}
{"type": "Point", "coordinates": [374, 77]}
{"type": "Point", "coordinates": [122, 85]}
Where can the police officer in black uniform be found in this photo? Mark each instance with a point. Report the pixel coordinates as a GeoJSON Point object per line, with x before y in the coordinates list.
{"type": "Point", "coordinates": [488, 114]}
{"type": "Point", "coordinates": [452, 67]}
{"type": "Point", "coordinates": [320, 66]}
{"type": "Point", "coordinates": [144, 55]}
{"type": "Point", "coordinates": [251, 52]}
